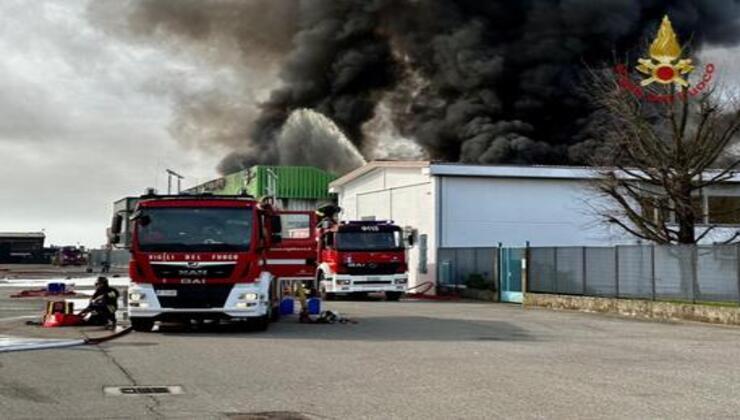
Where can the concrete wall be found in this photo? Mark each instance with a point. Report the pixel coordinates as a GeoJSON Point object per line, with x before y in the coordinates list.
{"type": "Point", "coordinates": [727, 315]}
{"type": "Point", "coordinates": [404, 195]}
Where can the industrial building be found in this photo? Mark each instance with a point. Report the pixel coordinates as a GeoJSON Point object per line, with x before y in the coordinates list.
{"type": "Point", "coordinates": [21, 247]}
{"type": "Point", "coordinates": [461, 212]}
{"type": "Point", "coordinates": [294, 187]}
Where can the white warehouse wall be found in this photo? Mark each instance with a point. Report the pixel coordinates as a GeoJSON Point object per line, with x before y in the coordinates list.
{"type": "Point", "coordinates": [483, 211]}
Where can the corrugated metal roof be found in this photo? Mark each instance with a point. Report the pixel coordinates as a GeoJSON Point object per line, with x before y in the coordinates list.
{"type": "Point", "coordinates": [536, 171]}
{"type": "Point", "coordinates": [22, 235]}
{"type": "Point", "coordinates": [495, 171]}
{"type": "Point", "coordinates": [362, 170]}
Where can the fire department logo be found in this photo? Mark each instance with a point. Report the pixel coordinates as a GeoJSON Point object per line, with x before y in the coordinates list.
{"type": "Point", "coordinates": [665, 64]}
{"type": "Point", "coordinates": [665, 67]}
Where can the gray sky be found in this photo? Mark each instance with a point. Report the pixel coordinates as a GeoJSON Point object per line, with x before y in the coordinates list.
{"type": "Point", "coordinates": [81, 123]}
{"type": "Point", "coordinates": [84, 118]}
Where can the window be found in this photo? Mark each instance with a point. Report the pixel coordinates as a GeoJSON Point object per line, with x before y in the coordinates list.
{"type": "Point", "coordinates": [206, 229]}
{"type": "Point", "coordinates": [369, 241]}
{"type": "Point", "coordinates": [296, 226]}
{"type": "Point", "coordinates": [656, 209]}
{"type": "Point", "coordinates": [724, 210]}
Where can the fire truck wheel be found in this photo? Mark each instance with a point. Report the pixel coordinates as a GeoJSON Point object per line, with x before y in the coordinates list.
{"type": "Point", "coordinates": [275, 314]}
{"type": "Point", "coordinates": [326, 295]}
{"type": "Point", "coordinates": [261, 323]}
{"type": "Point", "coordinates": [393, 296]}
{"type": "Point", "coordinates": [142, 324]}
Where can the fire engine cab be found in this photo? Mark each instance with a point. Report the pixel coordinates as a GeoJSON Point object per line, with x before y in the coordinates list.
{"type": "Point", "coordinates": [360, 257]}
{"type": "Point", "coordinates": [204, 257]}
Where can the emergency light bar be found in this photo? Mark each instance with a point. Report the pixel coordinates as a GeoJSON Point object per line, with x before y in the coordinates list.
{"type": "Point", "coordinates": [368, 222]}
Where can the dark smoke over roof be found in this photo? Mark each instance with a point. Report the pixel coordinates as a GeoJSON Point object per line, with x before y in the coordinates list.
{"type": "Point", "coordinates": [467, 80]}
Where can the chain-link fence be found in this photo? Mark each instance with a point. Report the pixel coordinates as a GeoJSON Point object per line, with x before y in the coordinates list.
{"type": "Point", "coordinates": [675, 272]}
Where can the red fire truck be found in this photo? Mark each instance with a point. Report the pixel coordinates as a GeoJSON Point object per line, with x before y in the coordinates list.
{"type": "Point", "coordinates": [206, 257]}
{"type": "Point", "coordinates": [360, 257]}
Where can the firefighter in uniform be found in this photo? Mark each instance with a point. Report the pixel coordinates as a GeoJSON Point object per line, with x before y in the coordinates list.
{"type": "Point", "coordinates": [103, 305]}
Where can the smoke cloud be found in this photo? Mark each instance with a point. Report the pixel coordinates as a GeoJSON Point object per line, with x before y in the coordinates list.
{"type": "Point", "coordinates": [464, 80]}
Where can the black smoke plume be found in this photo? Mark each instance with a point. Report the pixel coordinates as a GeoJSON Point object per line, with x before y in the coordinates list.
{"type": "Point", "coordinates": [493, 81]}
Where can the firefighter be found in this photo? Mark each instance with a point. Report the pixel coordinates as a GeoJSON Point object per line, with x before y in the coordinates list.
{"type": "Point", "coordinates": [103, 305]}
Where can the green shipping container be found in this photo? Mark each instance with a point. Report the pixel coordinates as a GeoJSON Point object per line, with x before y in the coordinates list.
{"type": "Point", "coordinates": [291, 182]}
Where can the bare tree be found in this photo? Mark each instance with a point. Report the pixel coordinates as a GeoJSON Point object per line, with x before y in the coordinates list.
{"type": "Point", "coordinates": [662, 146]}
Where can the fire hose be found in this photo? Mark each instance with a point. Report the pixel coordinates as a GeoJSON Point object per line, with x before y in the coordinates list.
{"type": "Point", "coordinates": [56, 344]}
{"type": "Point", "coordinates": [420, 292]}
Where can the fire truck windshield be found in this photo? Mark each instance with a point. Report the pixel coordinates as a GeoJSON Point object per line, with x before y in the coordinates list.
{"type": "Point", "coordinates": [368, 241]}
{"type": "Point", "coordinates": [209, 229]}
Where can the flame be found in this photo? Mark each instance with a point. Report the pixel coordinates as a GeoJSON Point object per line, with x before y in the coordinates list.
{"type": "Point", "coordinates": [665, 47]}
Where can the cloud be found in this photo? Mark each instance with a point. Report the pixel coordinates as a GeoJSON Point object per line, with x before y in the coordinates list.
{"type": "Point", "coordinates": [80, 124]}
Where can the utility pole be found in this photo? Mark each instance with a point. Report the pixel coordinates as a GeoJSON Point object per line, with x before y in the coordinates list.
{"type": "Point", "coordinates": [170, 174]}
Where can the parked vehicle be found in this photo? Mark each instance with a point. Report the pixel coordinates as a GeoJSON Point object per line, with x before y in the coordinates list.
{"type": "Point", "coordinates": [202, 257]}
{"type": "Point", "coordinates": [70, 255]}
{"type": "Point", "coordinates": [360, 257]}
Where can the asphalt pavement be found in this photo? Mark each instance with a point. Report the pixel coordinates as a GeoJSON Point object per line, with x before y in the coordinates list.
{"type": "Point", "coordinates": [408, 359]}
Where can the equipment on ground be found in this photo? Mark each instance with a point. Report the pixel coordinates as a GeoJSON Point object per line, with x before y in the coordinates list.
{"type": "Point", "coordinates": [60, 313]}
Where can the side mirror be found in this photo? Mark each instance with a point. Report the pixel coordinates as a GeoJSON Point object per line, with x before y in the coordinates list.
{"type": "Point", "coordinates": [276, 225]}
{"type": "Point", "coordinates": [116, 224]}
{"type": "Point", "coordinates": [113, 238]}
{"type": "Point", "coordinates": [409, 236]}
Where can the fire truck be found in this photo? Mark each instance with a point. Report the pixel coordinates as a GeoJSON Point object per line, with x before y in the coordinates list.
{"type": "Point", "coordinates": [207, 257]}
{"type": "Point", "coordinates": [70, 255]}
{"type": "Point", "coordinates": [360, 257]}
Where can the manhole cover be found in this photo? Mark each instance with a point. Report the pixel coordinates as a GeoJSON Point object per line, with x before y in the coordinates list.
{"type": "Point", "coordinates": [143, 390]}
{"type": "Point", "coordinates": [270, 415]}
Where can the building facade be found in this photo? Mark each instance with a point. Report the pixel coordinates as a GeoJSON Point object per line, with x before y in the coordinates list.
{"type": "Point", "coordinates": [463, 210]}
{"type": "Point", "coordinates": [22, 247]}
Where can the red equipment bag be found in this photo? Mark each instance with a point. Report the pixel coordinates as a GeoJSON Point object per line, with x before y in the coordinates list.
{"type": "Point", "coordinates": [62, 320]}
{"type": "Point", "coordinates": [61, 314]}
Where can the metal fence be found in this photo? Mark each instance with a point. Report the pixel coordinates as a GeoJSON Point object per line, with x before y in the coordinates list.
{"type": "Point", "coordinates": [670, 272]}
{"type": "Point", "coordinates": [456, 265]}
{"type": "Point", "coordinates": [116, 257]}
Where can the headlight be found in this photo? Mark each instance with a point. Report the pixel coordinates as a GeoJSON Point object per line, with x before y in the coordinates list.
{"type": "Point", "coordinates": [401, 281]}
{"type": "Point", "coordinates": [248, 296]}
{"type": "Point", "coordinates": [137, 296]}
{"type": "Point", "coordinates": [344, 282]}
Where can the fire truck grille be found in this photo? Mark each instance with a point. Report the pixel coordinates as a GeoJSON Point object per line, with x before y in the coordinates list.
{"type": "Point", "coordinates": [220, 271]}
{"type": "Point", "coordinates": [373, 268]}
{"type": "Point", "coordinates": [194, 295]}
{"type": "Point", "coordinates": [371, 282]}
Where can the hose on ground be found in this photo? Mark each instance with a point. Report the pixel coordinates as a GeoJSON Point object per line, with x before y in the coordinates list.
{"type": "Point", "coordinates": [57, 344]}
